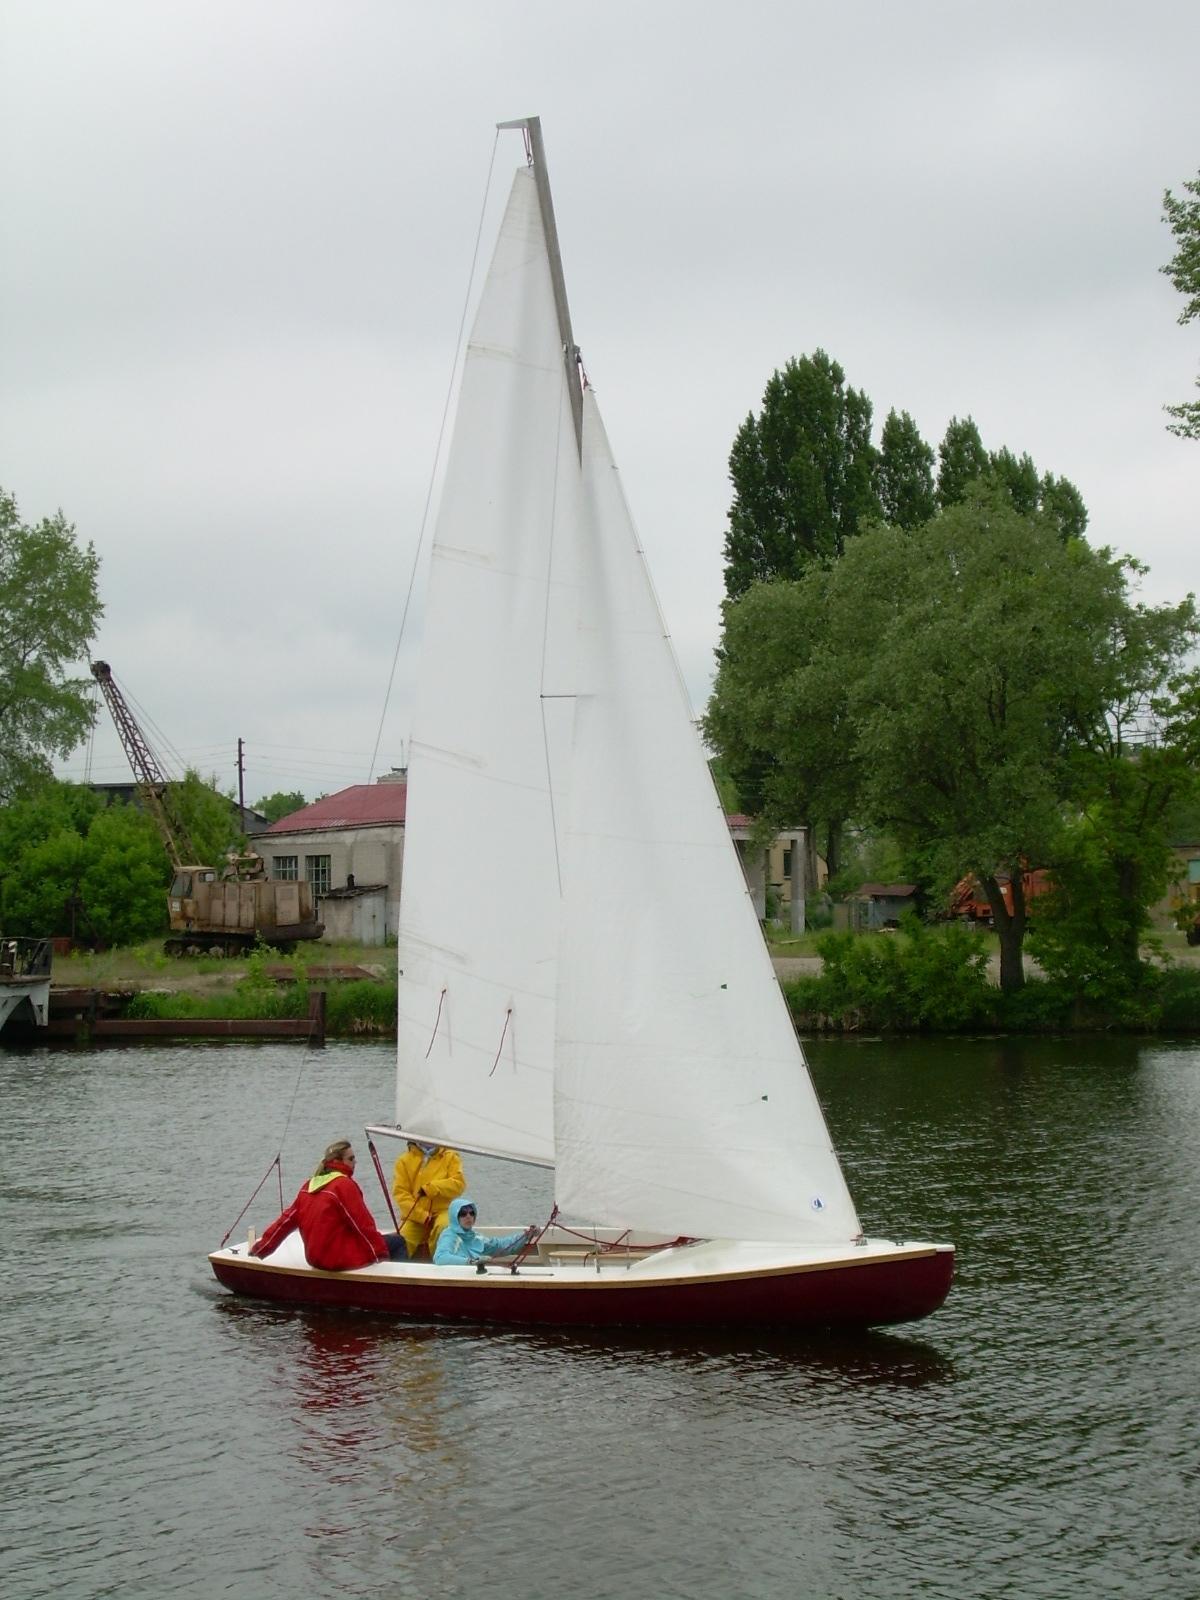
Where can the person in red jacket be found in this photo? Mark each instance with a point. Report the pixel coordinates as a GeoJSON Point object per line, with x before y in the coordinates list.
{"type": "Point", "coordinates": [339, 1232]}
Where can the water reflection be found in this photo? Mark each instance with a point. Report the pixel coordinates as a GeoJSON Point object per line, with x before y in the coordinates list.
{"type": "Point", "coordinates": [347, 1381]}
{"type": "Point", "coordinates": [836, 1357]}
{"type": "Point", "coordinates": [343, 1361]}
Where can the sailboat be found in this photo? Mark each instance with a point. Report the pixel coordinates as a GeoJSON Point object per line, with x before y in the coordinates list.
{"type": "Point", "coordinates": [583, 981]}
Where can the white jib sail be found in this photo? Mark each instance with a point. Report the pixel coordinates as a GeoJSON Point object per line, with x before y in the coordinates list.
{"type": "Point", "coordinates": [480, 896]}
{"type": "Point", "coordinates": [682, 1100]}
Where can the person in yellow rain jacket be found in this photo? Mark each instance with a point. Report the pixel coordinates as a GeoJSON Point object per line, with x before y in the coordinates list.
{"type": "Point", "coordinates": [425, 1180]}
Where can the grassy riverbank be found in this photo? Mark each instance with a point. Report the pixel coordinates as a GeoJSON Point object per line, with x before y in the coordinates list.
{"type": "Point", "coordinates": [938, 981]}
{"type": "Point", "coordinates": [359, 983]}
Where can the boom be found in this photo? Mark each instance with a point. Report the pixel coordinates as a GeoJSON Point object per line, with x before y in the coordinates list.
{"type": "Point", "coordinates": [152, 785]}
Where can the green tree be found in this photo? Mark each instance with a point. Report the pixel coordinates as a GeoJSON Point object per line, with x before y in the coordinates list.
{"type": "Point", "coordinates": [778, 711]}
{"type": "Point", "coordinates": [992, 645]}
{"type": "Point", "coordinates": [281, 804]}
{"type": "Point", "coordinates": [49, 610]}
{"type": "Point", "coordinates": [125, 876]}
{"type": "Point", "coordinates": [904, 474]}
{"type": "Point", "coordinates": [803, 474]}
{"type": "Point", "coordinates": [934, 684]}
{"type": "Point", "coordinates": [1062, 503]}
{"type": "Point", "coordinates": [72, 866]}
{"type": "Point", "coordinates": [1019, 478]}
{"type": "Point", "coordinates": [1182, 216]}
{"type": "Point", "coordinates": [209, 816]}
{"type": "Point", "coordinates": [962, 461]}
{"type": "Point", "coordinates": [1135, 765]}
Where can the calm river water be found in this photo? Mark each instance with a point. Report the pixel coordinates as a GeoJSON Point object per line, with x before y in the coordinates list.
{"type": "Point", "coordinates": [1037, 1438]}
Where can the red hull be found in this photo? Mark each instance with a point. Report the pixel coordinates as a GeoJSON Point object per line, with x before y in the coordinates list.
{"type": "Point", "coordinates": [900, 1289]}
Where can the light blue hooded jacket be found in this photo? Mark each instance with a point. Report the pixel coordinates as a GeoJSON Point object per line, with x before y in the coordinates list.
{"type": "Point", "coordinates": [458, 1246]}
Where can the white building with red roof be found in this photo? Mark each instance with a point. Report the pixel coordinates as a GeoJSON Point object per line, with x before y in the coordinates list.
{"type": "Point", "coordinates": [350, 847]}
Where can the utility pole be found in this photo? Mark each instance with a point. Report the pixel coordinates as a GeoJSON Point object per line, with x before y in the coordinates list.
{"type": "Point", "coordinates": [241, 772]}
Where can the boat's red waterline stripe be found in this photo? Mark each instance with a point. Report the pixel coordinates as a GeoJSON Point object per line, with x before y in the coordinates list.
{"type": "Point", "coordinates": [843, 1293]}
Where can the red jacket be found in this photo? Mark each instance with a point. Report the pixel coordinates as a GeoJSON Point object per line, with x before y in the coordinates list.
{"type": "Point", "coordinates": [338, 1230]}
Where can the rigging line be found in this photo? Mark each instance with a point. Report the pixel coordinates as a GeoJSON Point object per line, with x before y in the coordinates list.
{"type": "Point", "coordinates": [154, 736]}
{"type": "Point", "coordinates": [287, 1121]}
{"type": "Point", "coordinates": [534, 1240]}
{"type": "Point", "coordinates": [387, 1193]}
{"type": "Point", "coordinates": [436, 1021]}
{"type": "Point", "coordinates": [437, 454]}
{"type": "Point", "coordinates": [546, 640]}
{"type": "Point", "coordinates": [503, 1033]}
{"type": "Point", "coordinates": [274, 1165]}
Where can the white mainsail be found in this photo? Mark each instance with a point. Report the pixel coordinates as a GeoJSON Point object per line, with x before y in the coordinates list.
{"type": "Point", "coordinates": [480, 894]}
{"type": "Point", "coordinates": [682, 1101]}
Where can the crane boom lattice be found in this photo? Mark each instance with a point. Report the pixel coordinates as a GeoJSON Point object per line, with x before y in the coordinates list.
{"type": "Point", "coordinates": [152, 785]}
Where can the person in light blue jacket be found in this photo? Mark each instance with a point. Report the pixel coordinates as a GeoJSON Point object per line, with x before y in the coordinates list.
{"type": "Point", "coordinates": [459, 1245]}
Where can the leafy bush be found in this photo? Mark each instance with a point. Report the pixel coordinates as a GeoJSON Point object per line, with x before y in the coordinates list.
{"type": "Point", "coordinates": [1039, 1006]}
{"type": "Point", "coordinates": [919, 978]}
{"type": "Point", "coordinates": [1179, 999]}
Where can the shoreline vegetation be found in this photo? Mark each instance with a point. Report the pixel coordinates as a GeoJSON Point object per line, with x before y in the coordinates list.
{"type": "Point", "coordinates": [940, 979]}
{"type": "Point", "coordinates": [918, 980]}
{"type": "Point", "coordinates": [359, 983]}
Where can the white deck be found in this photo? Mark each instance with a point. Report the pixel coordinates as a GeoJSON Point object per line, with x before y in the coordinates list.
{"type": "Point", "coordinates": [571, 1260]}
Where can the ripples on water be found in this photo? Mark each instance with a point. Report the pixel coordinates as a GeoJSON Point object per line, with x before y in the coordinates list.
{"type": "Point", "coordinates": [1037, 1438]}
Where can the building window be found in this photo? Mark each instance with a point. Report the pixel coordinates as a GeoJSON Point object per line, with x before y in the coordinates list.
{"type": "Point", "coordinates": [316, 870]}
{"type": "Point", "coordinates": [286, 867]}
{"type": "Point", "coordinates": [1194, 870]}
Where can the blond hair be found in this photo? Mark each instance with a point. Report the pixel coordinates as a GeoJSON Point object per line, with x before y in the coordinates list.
{"type": "Point", "coordinates": [333, 1152]}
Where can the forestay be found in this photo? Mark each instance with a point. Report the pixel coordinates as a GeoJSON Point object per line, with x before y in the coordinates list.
{"type": "Point", "coordinates": [480, 896]}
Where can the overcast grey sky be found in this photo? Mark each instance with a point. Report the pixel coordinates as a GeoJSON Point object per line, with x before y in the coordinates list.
{"type": "Point", "coordinates": [237, 238]}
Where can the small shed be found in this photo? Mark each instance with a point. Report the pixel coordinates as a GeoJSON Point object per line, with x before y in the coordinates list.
{"type": "Point", "coordinates": [875, 906]}
{"type": "Point", "coordinates": [356, 913]}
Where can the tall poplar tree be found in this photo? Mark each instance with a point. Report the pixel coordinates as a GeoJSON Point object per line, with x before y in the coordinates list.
{"type": "Point", "coordinates": [803, 474]}
{"type": "Point", "coordinates": [904, 477]}
{"type": "Point", "coordinates": [962, 460]}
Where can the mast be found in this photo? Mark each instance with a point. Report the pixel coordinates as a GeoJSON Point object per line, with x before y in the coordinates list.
{"type": "Point", "coordinates": [532, 129]}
